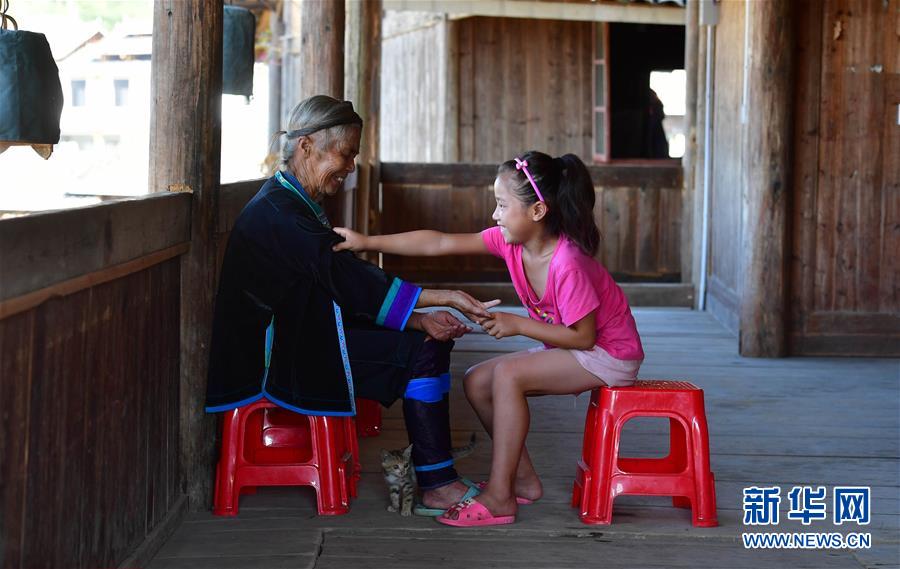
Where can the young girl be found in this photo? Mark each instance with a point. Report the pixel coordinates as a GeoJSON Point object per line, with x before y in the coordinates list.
{"type": "Point", "coordinates": [546, 234]}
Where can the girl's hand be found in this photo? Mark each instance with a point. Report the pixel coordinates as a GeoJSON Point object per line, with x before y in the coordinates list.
{"type": "Point", "coordinates": [503, 325]}
{"type": "Point", "coordinates": [353, 241]}
{"type": "Point", "coordinates": [474, 309]}
{"type": "Point", "coordinates": [443, 326]}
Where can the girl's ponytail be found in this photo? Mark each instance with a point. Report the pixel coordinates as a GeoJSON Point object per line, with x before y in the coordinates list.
{"type": "Point", "coordinates": [566, 185]}
{"type": "Point", "coordinates": [575, 202]}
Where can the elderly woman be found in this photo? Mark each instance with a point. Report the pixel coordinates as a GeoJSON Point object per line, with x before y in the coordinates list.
{"type": "Point", "coordinates": [310, 329]}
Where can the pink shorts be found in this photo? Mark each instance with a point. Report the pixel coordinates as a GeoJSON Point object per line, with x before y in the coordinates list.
{"type": "Point", "coordinates": [612, 371]}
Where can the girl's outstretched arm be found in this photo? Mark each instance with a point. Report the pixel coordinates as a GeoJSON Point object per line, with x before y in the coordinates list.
{"type": "Point", "coordinates": [424, 243]}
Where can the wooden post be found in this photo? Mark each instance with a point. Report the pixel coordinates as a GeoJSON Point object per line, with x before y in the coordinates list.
{"type": "Point", "coordinates": [276, 28]}
{"type": "Point", "coordinates": [185, 152]}
{"type": "Point", "coordinates": [291, 59]}
{"type": "Point", "coordinates": [689, 191]}
{"type": "Point", "coordinates": [322, 73]}
{"type": "Point", "coordinates": [767, 181]}
{"type": "Point", "coordinates": [451, 93]}
{"type": "Point", "coordinates": [364, 59]}
{"type": "Point", "coordinates": [322, 47]}
{"type": "Point", "coordinates": [699, 165]}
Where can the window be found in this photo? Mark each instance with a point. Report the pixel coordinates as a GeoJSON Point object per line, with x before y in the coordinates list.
{"type": "Point", "coordinates": [121, 89]}
{"type": "Point", "coordinates": [79, 87]}
{"type": "Point", "coordinates": [638, 91]}
{"type": "Point", "coordinates": [600, 92]}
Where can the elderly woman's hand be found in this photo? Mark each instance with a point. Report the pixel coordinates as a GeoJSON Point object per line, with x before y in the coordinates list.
{"type": "Point", "coordinates": [353, 241]}
{"type": "Point", "coordinates": [443, 326]}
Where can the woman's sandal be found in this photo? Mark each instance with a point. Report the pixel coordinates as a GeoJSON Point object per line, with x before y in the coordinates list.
{"type": "Point", "coordinates": [471, 513]}
{"type": "Point", "coordinates": [519, 499]}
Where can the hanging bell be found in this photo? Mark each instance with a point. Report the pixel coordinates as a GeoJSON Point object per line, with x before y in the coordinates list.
{"type": "Point", "coordinates": [238, 39]}
{"type": "Point", "coordinates": [31, 98]}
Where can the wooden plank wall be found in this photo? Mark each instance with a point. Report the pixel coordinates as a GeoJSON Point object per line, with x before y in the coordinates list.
{"type": "Point", "coordinates": [89, 379]}
{"type": "Point", "coordinates": [415, 89]}
{"type": "Point", "coordinates": [524, 84]}
{"type": "Point", "coordinates": [846, 272]}
{"type": "Point", "coordinates": [638, 211]}
{"type": "Point", "coordinates": [726, 220]}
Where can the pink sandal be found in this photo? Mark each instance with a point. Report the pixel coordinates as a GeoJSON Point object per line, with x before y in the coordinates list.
{"type": "Point", "coordinates": [472, 513]}
{"type": "Point", "coordinates": [519, 499]}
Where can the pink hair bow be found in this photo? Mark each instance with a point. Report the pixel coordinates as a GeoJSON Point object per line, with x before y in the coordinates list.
{"type": "Point", "coordinates": [523, 165]}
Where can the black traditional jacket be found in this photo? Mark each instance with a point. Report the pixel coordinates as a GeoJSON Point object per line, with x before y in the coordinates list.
{"type": "Point", "coordinates": [290, 311]}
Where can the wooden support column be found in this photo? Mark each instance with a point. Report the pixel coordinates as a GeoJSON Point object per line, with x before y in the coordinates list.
{"type": "Point", "coordinates": [767, 181]}
{"type": "Point", "coordinates": [276, 28]}
{"type": "Point", "coordinates": [689, 191]}
{"type": "Point", "coordinates": [364, 89]}
{"type": "Point", "coordinates": [322, 73]}
{"type": "Point", "coordinates": [185, 155]}
{"type": "Point", "coordinates": [322, 48]}
{"type": "Point", "coordinates": [699, 165]}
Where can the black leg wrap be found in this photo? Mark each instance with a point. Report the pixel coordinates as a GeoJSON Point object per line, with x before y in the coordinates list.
{"type": "Point", "coordinates": [428, 425]}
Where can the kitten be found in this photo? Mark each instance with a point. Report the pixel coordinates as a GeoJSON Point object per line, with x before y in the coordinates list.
{"type": "Point", "coordinates": [398, 474]}
{"type": "Point", "coordinates": [401, 477]}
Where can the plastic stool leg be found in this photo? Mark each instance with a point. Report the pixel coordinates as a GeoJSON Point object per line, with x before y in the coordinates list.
{"type": "Point", "coordinates": [226, 496]}
{"type": "Point", "coordinates": [597, 508]}
{"type": "Point", "coordinates": [587, 443]}
{"type": "Point", "coordinates": [704, 510]}
{"type": "Point", "coordinates": [677, 459]}
{"type": "Point", "coordinates": [329, 493]}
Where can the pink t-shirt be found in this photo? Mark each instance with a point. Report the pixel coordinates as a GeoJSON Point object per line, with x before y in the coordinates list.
{"type": "Point", "coordinates": [576, 285]}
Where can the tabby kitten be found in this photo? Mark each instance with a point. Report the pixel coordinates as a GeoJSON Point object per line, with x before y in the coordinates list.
{"type": "Point", "coordinates": [398, 473]}
{"type": "Point", "coordinates": [401, 477]}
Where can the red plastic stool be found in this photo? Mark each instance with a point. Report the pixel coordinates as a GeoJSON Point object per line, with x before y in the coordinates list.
{"type": "Point", "coordinates": [684, 474]}
{"type": "Point", "coordinates": [368, 417]}
{"type": "Point", "coordinates": [266, 445]}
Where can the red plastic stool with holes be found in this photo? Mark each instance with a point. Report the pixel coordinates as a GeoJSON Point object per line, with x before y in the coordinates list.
{"type": "Point", "coordinates": [368, 417]}
{"type": "Point", "coordinates": [266, 445]}
{"type": "Point", "coordinates": [684, 474]}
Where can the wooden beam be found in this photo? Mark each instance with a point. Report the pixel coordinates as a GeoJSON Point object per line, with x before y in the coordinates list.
{"type": "Point", "coordinates": [594, 12]}
{"type": "Point", "coordinates": [15, 305]}
{"type": "Point", "coordinates": [767, 180]}
{"type": "Point", "coordinates": [43, 249]}
{"type": "Point", "coordinates": [185, 151]}
{"type": "Point", "coordinates": [666, 175]}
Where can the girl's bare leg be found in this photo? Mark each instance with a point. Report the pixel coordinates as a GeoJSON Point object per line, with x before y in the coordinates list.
{"type": "Point", "coordinates": [478, 386]}
{"type": "Point", "coordinates": [550, 372]}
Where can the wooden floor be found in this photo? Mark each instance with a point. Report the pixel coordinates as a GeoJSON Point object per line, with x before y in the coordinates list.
{"type": "Point", "coordinates": [772, 422]}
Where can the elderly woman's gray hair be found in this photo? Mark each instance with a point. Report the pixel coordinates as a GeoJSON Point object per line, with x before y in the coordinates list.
{"type": "Point", "coordinates": [324, 119]}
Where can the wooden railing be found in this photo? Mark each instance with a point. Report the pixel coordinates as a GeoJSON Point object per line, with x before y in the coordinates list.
{"type": "Point", "coordinates": [638, 211]}
{"type": "Point", "coordinates": [89, 379]}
